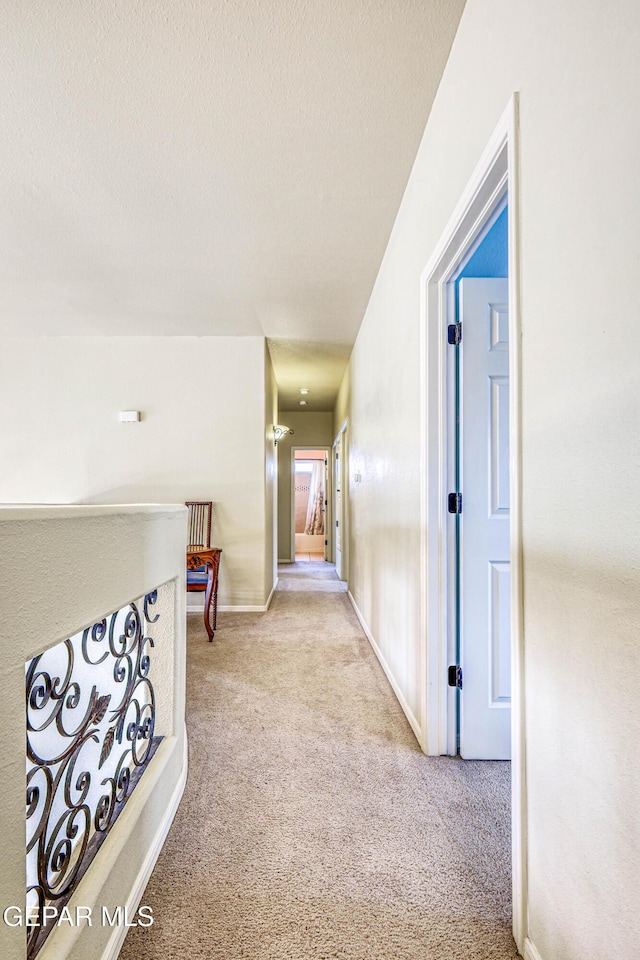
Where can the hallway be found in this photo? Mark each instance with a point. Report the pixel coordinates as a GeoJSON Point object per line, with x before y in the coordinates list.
{"type": "Point", "coordinates": [311, 825]}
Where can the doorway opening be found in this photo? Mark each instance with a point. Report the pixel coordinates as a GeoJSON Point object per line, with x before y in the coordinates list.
{"type": "Point", "coordinates": [309, 504]}
{"type": "Point", "coordinates": [472, 636]}
{"type": "Point", "coordinates": [478, 520]}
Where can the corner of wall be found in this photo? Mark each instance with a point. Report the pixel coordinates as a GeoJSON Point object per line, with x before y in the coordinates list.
{"type": "Point", "coordinates": [270, 477]}
{"type": "Point", "coordinates": [342, 407]}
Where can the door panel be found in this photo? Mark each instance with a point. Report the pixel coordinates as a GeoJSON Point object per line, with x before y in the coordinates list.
{"type": "Point", "coordinates": [499, 445]}
{"type": "Point", "coordinates": [484, 599]}
{"type": "Point", "coordinates": [500, 632]}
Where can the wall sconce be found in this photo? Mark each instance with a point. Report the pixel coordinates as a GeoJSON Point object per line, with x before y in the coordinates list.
{"type": "Point", "coordinates": [280, 431]}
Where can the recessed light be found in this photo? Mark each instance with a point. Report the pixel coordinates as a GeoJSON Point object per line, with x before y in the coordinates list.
{"type": "Point", "coordinates": [303, 403]}
{"type": "Point", "coordinates": [304, 391]}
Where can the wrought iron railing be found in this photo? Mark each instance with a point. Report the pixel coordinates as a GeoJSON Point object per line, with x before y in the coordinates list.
{"type": "Point", "coordinates": [90, 734]}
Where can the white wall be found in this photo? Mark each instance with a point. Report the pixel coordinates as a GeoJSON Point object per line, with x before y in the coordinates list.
{"type": "Point", "coordinates": [576, 67]}
{"type": "Point", "coordinates": [202, 434]}
{"type": "Point", "coordinates": [310, 430]}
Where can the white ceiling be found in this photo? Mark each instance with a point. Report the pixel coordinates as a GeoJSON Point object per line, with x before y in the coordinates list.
{"type": "Point", "coordinates": [210, 167]}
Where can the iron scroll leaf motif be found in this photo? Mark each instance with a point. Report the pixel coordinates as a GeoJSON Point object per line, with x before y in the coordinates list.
{"type": "Point", "coordinates": [90, 706]}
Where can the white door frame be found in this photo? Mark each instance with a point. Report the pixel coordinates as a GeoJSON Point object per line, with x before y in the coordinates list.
{"type": "Point", "coordinates": [344, 489]}
{"type": "Point", "coordinates": [495, 175]}
{"type": "Point", "coordinates": [328, 532]}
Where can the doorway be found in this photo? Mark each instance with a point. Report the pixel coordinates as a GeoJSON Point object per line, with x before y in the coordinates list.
{"type": "Point", "coordinates": [448, 578]}
{"type": "Point", "coordinates": [479, 676]}
{"type": "Point", "coordinates": [309, 504]}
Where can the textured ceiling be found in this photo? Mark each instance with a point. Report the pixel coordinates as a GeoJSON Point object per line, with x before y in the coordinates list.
{"type": "Point", "coordinates": [210, 167]}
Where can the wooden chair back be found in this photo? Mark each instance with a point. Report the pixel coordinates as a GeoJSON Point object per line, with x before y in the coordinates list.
{"type": "Point", "coordinates": [199, 524]}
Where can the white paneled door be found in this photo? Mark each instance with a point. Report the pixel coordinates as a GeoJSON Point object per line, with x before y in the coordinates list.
{"type": "Point", "coordinates": [484, 591]}
{"type": "Point", "coordinates": [327, 514]}
{"type": "Point", "coordinates": [338, 450]}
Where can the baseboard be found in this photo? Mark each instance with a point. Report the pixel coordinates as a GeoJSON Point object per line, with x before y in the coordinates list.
{"type": "Point", "coordinates": [231, 608]}
{"type": "Point", "coordinates": [114, 944]}
{"type": "Point", "coordinates": [286, 560]}
{"type": "Point", "coordinates": [415, 726]}
{"type": "Point", "coordinates": [530, 951]}
{"type": "Point", "coordinates": [243, 608]}
{"type": "Point", "coordinates": [239, 608]}
{"type": "Point", "coordinates": [273, 590]}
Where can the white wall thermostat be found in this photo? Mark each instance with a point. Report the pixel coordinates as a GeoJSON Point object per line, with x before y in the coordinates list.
{"type": "Point", "coordinates": [129, 416]}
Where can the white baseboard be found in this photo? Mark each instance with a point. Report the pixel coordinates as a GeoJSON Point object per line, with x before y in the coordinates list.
{"type": "Point", "coordinates": [413, 722]}
{"type": "Point", "coordinates": [243, 608]}
{"type": "Point", "coordinates": [114, 944]}
{"type": "Point", "coordinates": [230, 608]}
{"type": "Point", "coordinates": [530, 951]}
{"type": "Point", "coordinates": [270, 597]}
{"type": "Point", "coordinates": [238, 608]}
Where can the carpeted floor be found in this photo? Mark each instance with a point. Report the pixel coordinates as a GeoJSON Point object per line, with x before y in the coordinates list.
{"type": "Point", "coordinates": [312, 827]}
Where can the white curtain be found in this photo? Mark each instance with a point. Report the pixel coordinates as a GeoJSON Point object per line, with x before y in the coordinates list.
{"type": "Point", "coordinates": [315, 506]}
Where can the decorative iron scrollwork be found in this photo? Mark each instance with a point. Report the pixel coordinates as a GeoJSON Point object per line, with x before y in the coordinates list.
{"type": "Point", "coordinates": [90, 734]}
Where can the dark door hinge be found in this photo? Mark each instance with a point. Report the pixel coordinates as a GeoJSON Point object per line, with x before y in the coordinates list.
{"type": "Point", "coordinates": [455, 676]}
{"type": "Point", "coordinates": [326, 543]}
{"type": "Point", "coordinates": [454, 333]}
{"type": "Point", "coordinates": [454, 503]}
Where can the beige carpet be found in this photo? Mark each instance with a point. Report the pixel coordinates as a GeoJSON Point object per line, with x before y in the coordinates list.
{"type": "Point", "coordinates": [312, 826]}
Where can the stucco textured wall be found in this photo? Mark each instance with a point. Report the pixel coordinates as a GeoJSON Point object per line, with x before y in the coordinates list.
{"type": "Point", "coordinates": [576, 68]}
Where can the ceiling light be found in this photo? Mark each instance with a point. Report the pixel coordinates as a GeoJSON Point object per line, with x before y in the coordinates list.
{"type": "Point", "coordinates": [303, 403]}
{"type": "Point", "coordinates": [304, 391]}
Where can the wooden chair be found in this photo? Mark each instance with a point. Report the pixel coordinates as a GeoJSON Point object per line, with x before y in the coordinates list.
{"type": "Point", "coordinates": [203, 560]}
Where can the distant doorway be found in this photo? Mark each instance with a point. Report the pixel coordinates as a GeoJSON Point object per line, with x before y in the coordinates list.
{"type": "Point", "coordinates": [309, 504]}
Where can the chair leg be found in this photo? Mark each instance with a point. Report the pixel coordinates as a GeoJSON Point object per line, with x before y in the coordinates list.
{"type": "Point", "coordinates": [214, 605]}
{"type": "Point", "coordinates": [209, 622]}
